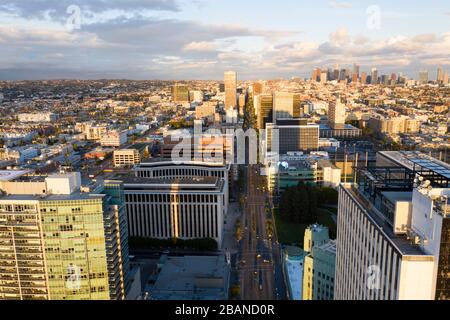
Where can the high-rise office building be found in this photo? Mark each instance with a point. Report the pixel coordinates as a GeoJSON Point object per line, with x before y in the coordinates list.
{"type": "Point", "coordinates": [394, 77]}
{"type": "Point", "coordinates": [242, 102]}
{"type": "Point", "coordinates": [343, 75]}
{"type": "Point", "coordinates": [286, 105]}
{"type": "Point", "coordinates": [264, 109]}
{"type": "Point", "coordinates": [440, 75]}
{"type": "Point", "coordinates": [316, 75]}
{"type": "Point", "coordinates": [336, 113]}
{"type": "Point", "coordinates": [323, 77]}
{"type": "Point", "coordinates": [58, 243]}
{"type": "Point", "coordinates": [336, 73]}
{"type": "Point", "coordinates": [330, 75]}
{"type": "Point", "coordinates": [423, 77]}
{"type": "Point", "coordinates": [356, 70]}
{"type": "Point", "coordinates": [180, 93]}
{"type": "Point", "coordinates": [374, 76]}
{"type": "Point", "coordinates": [445, 80]}
{"type": "Point", "coordinates": [230, 80]}
{"type": "Point", "coordinates": [393, 230]}
{"type": "Point", "coordinates": [364, 78]}
{"type": "Point", "coordinates": [293, 135]}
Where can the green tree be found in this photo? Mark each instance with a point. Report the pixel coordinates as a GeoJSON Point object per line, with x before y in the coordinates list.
{"type": "Point", "coordinates": [312, 203]}
{"type": "Point", "coordinates": [302, 204]}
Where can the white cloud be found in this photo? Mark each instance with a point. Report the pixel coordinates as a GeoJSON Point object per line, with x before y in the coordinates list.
{"type": "Point", "coordinates": [339, 37]}
{"type": "Point", "coordinates": [153, 48]}
{"type": "Point", "coordinates": [202, 46]}
{"type": "Point", "coordinates": [339, 5]}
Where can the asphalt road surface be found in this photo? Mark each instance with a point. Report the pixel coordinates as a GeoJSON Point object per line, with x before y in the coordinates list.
{"type": "Point", "coordinates": [259, 259]}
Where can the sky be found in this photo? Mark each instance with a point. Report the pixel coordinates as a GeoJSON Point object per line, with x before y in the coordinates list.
{"type": "Point", "coordinates": [200, 39]}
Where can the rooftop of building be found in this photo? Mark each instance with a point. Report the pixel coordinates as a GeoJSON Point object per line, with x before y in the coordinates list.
{"type": "Point", "coordinates": [294, 270]}
{"type": "Point", "coordinates": [403, 245]}
{"type": "Point", "coordinates": [75, 196]}
{"type": "Point", "coordinates": [328, 247]}
{"type": "Point", "coordinates": [173, 184]}
{"type": "Point", "coordinates": [410, 158]}
{"type": "Point", "coordinates": [326, 126]}
{"type": "Point", "coordinates": [9, 175]}
{"type": "Point", "coordinates": [419, 163]}
{"type": "Point", "coordinates": [294, 253]}
{"type": "Point", "coordinates": [394, 196]}
{"type": "Point", "coordinates": [192, 278]}
{"type": "Point", "coordinates": [293, 122]}
{"type": "Point", "coordinates": [317, 228]}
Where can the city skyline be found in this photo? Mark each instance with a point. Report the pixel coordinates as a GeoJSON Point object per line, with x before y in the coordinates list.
{"type": "Point", "coordinates": [189, 40]}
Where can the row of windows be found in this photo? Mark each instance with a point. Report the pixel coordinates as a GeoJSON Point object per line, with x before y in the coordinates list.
{"type": "Point", "coordinates": [178, 173]}
{"type": "Point", "coordinates": [361, 248]}
{"type": "Point", "coordinates": [172, 198]}
{"type": "Point", "coordinates": [155, 221]}
{"type": "Point", "coordinates": [17, 207]}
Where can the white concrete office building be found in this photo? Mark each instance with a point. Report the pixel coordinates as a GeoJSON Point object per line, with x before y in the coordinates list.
{"type": "Point", "coordinates": [189, 208]}
{"type": "Point", "coordinates": [166, 169]}
{"type": "Point", "coordinates": [393, 231]}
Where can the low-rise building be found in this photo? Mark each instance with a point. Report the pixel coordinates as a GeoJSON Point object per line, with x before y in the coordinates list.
{"type": "Point", "coordinates": [192, 278]}
{"type": "Point", "coordinates": [114, 138]}
{"type": "Point", "coordinates": [37, 117]}
{"type": "Point", "coordinates": [126, 157]}
{"type": "Point", "coordinates": [319, 264]}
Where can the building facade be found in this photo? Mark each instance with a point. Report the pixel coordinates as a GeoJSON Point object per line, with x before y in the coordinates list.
{"type": "Point", "coordinates": [63, 246]}
{"type": "Point", "coordinates": [293, 135]}
{"type": "Point", "coordinates": [126, 157]}
{"type": "Point", "coordinates": [392, 236]}
{"type": "Point", "coordinates": [180, 93]}
{"type": "Point", "coordinates": [114, 138]}
{"type": "Point", "coordinates": [37, 117]}
{"type": "Point", "coordinates": [230, 80]}
{"type": "Point", "coordinates": [264, 109]}
{"type": "Point", "coordinates": [189, 208]}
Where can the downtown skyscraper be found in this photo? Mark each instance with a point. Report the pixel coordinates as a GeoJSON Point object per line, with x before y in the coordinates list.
{"type": "Point", "coordinates": [57, 243]}
{"type": "Point", "coordinates": [230, 79]}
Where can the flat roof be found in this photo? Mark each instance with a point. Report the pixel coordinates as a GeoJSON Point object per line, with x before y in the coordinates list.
{"type": "Point", "coordinates": [192, 278]}
{"type": "Point", "coordinates": [394, 196]}
{"type": "Point", "coordinates": [326, 126]}
{"type": "Point", "coordinates": [404, 246]}
{"type": "Point", "coordinates": [410, 158]}
{"type": "Point", "coordinates": [294, 262]}
{"type": "Point", "coordinates": [8, 175]}
{"type": "Point", "coordinates": [329, 247]}
{"type": "Point", "coordinates": [193, 184]}
{"type": "Point", "coordinates": [52, 197]}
